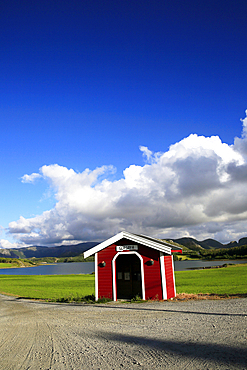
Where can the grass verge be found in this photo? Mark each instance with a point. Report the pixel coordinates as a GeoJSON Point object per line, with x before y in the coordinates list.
{"type": "Point", "coordinates": [203, 284]}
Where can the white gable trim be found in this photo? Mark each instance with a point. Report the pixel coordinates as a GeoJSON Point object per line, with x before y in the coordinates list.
{"type": "Point", "coordinates": [103, 245]}
{"type": "Point", "coordinates": [96, 277]}
{"type": "Point", "coordinates": [149, 242]}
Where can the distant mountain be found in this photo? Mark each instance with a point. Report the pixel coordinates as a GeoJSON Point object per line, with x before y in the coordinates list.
{"type": "Point", "coordinates": [76, 250]}
{"type": "Point", "coordinates": [196, 245]}
{"type": "Point", "coordinates": [40, 252]}
{"type": "Point", "coordinates": [189, 243]}
{"type": "Point", "coordinates": [242, 241]}
{"type": "Point", "coordinates": [211, 243]}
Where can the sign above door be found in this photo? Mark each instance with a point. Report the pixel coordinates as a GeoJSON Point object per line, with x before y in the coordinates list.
{"type": "Point", "coordinates": [120, 248]}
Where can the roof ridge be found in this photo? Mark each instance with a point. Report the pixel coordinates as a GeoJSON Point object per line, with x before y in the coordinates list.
{"type": "Point", "coordinates": [142, 239]}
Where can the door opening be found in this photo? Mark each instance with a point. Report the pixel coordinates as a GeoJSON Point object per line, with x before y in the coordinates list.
{"type": "Point", "coordinates": [128, 276]}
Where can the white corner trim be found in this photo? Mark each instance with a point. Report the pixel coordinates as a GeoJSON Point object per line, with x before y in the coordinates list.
{"type": "Point", "coordinates": [173, 277]}
{"type": "Point", "coordinates": [163, 276]}
{"type": "Point", "coordinates": [96, 277]}
{"type": "Point", "coordinates": [114, 274]}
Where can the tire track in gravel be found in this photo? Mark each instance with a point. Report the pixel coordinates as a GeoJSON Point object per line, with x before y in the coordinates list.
{"type": "Point", "coordinates": [128, 356]}
{"type": "Point", "coordinates": [67, 348]}
{"type": "Point", "coordinates": [91, 349]}
{"type": "Point", "coordinates": [94, 348]}
{"type": "Point", "coordinates": [41, 351]}
{"type": "Point", "coordinates": [14, 344]}
{"type": "Point", "coordinates": [24, 335]}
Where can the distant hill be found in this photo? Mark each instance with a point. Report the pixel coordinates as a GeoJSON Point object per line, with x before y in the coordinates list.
{"type": "Point", "coordinates": [76, 250]}
{"type": "Point", "coordinates": [211, 243]}
{"type": "Point", "coordinates": [189, 243]}
{"type": "Point", "coordinates": [40, 252]}
{"type": "Point", "coordinates": [242, 241]}
{"type": "Point", "coordinates": [196, 245]}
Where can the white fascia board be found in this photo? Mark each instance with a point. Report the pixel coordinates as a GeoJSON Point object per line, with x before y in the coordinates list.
{"type": "Point", "coordinates": [159, 241]}
{"type": "Point", "coordinates": [103, 245]}
{"type": "Point", "coordinates": [135, 238]}
{"type": "Point", "coordinates": [155, 244]}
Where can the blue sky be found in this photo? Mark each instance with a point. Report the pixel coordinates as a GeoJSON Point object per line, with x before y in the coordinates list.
{"type": "Point", "coordinates": [87, 84]}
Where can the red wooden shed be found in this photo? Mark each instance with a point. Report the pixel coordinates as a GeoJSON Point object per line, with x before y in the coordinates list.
{"type": "Point", "coordinates": [128, 265]}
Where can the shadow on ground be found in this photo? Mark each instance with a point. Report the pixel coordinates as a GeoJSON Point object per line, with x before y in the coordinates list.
{"type": "Point", "coordinates": [211, 352]}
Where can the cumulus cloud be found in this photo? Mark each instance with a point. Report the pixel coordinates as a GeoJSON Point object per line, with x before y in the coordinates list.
{"type": "Point", "coordinates": [6, 244]}
{"type": "Point", "coordinates": [30, 178]}
{"type": "Point", "coordinates": [197, 188]}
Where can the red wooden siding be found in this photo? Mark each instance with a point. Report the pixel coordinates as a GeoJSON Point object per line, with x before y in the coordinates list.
{"type": "Point", "coordinates": [152, 275]}
{"type": "Point", "coordinates": [170, 283]}
{"type": "Point", "coordinates": [105, 286]}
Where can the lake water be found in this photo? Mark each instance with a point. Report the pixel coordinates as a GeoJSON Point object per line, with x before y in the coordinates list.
{"type": "Point", "coordinates": [88, 267]}
{"type": "Point", "coordinates": [56, 269]}
{"type": "Point", "coordinates": [190, 265]}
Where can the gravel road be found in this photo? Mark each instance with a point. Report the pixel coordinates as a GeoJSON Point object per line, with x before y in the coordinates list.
{"type": "Point", "coordinates": [157, 335]}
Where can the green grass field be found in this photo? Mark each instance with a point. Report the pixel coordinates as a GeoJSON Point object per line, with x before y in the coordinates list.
{"type": "Point", "coordinates": [230, 280]}
{"type": "Point", "coordinates": [47, 287]}
{"type": "Point", "coordinates": [15, 263]}
{"type": "Point", "coordinates": [4, 265]}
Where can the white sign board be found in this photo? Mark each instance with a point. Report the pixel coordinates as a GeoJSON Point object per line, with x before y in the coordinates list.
{"type": "Point", "coordinates": [120, 248]}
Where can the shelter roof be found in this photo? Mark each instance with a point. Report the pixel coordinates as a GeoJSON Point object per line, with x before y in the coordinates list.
{"type": "Point", "coordinates": [157, 244]}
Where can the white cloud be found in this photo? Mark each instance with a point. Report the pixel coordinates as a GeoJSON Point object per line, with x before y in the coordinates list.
{"type": "Point", "coordinates": [30, 178]}
{"type": "Point", "coordinates": [240, 144]}
{"type": "Point", "coordinates": [244, 133]}
{"type": "Point", "coordinates": [198, 187]}
{"type": "Point", "coordinates": [6, 244]}
{"type": "Point", "coordinates": [146, 152]}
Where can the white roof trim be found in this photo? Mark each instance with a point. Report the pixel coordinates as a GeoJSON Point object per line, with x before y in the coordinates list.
{"type": "Point", "coordinates": [142, 239]}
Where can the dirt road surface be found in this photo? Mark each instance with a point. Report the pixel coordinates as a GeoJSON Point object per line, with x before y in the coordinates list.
{"type": "Point", "coordinates": [159, 335]}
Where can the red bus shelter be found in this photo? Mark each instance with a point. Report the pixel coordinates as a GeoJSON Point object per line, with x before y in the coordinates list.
{"type": "Point", "coordinates": [129, 265]}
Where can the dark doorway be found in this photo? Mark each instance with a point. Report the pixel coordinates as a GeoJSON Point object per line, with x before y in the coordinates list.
{"type": "Point", "coordinates": [128, 276]}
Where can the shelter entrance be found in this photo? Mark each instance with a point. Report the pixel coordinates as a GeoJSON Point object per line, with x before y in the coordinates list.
{"type": "Point", "coordinates": [128, 276]}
